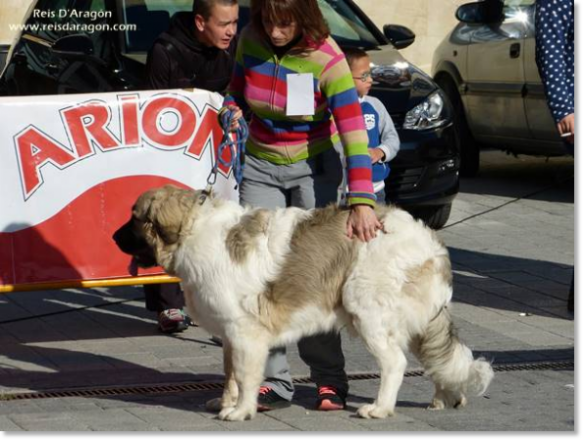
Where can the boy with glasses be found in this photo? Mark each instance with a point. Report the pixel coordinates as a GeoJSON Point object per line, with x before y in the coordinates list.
{"type": "Point", "coordinates": [383, 141]}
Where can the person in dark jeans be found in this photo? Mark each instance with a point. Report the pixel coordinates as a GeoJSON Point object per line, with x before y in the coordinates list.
{"type": "Point", "coordinates": [294, 80]}
{"type": "Point", "coordinates": [555, 58]}
{"type": "Point", "coordinates": [197, 51]}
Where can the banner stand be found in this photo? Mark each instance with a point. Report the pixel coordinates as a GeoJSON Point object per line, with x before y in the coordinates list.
{"type": "Point", "coordinates": [118, 282]}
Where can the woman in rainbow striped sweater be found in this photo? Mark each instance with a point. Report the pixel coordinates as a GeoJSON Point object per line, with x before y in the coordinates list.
{"type": "Point", "coordinates": [294, 79]}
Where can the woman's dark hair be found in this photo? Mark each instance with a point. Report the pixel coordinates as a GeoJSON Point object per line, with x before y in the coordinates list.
{"type": "Point", "coordinates": [305, 13]}
{"type": "Point", "coordinates": [203, 7]}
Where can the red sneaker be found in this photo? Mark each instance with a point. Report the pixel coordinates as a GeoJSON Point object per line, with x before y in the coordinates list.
{"type": "Point", "coordinates": [329, 399]}
{"type": "Point", "coordinates": [268, 400]}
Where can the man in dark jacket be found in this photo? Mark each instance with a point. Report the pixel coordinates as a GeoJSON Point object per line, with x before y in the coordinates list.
{"type": "Point", "coordinates": [555, 58]}
{"type": "Point", "coordinates": [197, 51]}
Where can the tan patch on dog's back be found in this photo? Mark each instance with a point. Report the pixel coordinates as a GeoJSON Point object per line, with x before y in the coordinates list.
{"type": "Point", "coordinates": [242, 238]}
{"type": "Point", "coordinates": [313, 274]}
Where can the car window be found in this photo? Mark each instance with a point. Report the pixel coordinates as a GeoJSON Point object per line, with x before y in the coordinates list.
{"type": "Point", "coordinates": [152, 17]}
{"type": "Point", "coordinates": [346, 27]}
{"type": "Point", "coordinates": [519, 2]}
{"type": "Point", "coordinates": [98, 5]}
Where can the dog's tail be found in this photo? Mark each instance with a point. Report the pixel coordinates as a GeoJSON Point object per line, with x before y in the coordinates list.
{"type": "Point", "coordinates": [450, 363]}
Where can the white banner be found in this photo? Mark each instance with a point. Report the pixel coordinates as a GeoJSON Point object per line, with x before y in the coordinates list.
{"type": "Point", "coordinates": [55, 148]}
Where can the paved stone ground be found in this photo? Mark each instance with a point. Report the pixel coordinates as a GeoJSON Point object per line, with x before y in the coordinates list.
{"type": "Point", "coordinates": [510, 237]}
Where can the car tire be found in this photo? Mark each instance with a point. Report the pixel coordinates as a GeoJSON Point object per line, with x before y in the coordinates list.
{"type": "Point", "coordinates": [463, 139]}
{"type": "Point", "coordinates": [434, 217]}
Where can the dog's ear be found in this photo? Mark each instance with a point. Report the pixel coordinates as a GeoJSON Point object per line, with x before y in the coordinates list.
{"type": "Point", "coordinates": [169, 208]}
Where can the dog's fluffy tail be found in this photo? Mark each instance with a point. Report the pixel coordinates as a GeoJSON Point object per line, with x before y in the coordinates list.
{"type": "Point", "coordinates": [450, 363]}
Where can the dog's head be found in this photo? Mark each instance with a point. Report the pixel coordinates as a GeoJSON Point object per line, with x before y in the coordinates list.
{"type": "Point", "coordinates": [153, 233]}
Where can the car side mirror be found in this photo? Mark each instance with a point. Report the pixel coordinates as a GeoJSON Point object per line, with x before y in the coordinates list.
{"type": "Point", "coordinates": [77, 45]}
{"type": "Point", "coordinates": [400, 36]}
{"type": "Point", "coordinates": [486, 11]}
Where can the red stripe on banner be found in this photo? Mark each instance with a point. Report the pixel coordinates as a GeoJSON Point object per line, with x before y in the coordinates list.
{"type": "Point", "coordinates": [76, 244]}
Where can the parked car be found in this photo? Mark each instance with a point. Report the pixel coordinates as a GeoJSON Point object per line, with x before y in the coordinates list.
{"type": "Point", "coordinates": [56, 60]}
{"type": "Point", "coordinates": [487, 68]}
{"type": "Point", "coordinates": [3, 56]}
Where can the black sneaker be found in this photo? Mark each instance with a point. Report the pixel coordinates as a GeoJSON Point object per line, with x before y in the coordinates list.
{"type": "Point", "coordinates": [268, 400]}
{"type": "Point", "coordinates": [329, 399]}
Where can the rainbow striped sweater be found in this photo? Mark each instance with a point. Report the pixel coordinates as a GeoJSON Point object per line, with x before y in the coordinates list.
{"type": "Point", "coordinates": [259, 84]}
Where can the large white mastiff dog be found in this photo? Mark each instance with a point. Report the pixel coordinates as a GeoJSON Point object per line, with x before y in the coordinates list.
{"type": "Point", "coordinates": [264, 278]}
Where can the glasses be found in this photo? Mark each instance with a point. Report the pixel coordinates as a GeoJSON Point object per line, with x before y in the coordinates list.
{"type": "Point", "coordinates": [364, 76]}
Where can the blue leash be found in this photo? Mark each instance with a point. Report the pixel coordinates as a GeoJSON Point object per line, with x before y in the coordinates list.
{"type": "Point", "coordinates": [237, 149]}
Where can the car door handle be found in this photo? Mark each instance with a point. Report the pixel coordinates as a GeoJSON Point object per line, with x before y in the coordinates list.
{"type": "Point", "coordinates": [515, 50]}
{"type": "Point", "coordinates": [52, 68]}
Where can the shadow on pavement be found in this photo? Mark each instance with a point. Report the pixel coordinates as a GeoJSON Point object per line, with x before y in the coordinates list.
{"type": "Point", "coordinates": [511, 284]}
{"type": "Point", "coordinates": [544, 180]}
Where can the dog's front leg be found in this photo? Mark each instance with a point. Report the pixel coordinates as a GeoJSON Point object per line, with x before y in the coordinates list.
{"type": "Point", "coordinates": [230, 387]}
{"type": "Point", "coordinates": [249, 358]}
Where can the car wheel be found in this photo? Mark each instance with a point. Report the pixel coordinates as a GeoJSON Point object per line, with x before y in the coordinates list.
{"type": "Point", "coordinates": [463, 139]}
{"type": "Point", "coordinates": [434, 217]}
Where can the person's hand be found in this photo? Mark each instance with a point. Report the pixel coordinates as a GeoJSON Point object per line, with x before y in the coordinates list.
{"type": "Point", "coordinates": [567, 126]}
{"type": "Point", "coordinates": [363, 223]}
{"type": "Point", "coordinates": [376, 154]}
{"type": "Point", "coordinates": [236, 115]}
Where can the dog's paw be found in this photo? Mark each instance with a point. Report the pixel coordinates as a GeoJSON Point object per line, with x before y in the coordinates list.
{"type": "Point", "coordinates": [219, 403]}
{"type": "Point", "coordinates": [436, 404]}
{"type": "Point", "coordinates": [461, 403]}
{"type": "Point", "coordinates": [224, 412]}
{"type": "Point", "coordinates": [214, 405]}
{"type": "Point", "coordinates": [370, 411]}
{"type": "Point", "coordinates": [237, 414]}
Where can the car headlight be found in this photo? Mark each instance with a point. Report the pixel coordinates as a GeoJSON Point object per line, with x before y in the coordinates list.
{"type": "Point", "coordinates": [426, 115]}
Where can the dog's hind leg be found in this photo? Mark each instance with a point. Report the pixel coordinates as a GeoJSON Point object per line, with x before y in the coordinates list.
{"type": "Point", "coordinates": [450, 364]}
{"type": "Point", "coordinates": [230, 388]}
{"type": "Point", "coordinates": [392, 362]}
{"type": "Point", "coordinates": [249, 355]}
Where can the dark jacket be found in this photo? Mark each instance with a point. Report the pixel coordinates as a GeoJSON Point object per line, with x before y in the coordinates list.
{"type": "Point", "coordinates": [178, 60]}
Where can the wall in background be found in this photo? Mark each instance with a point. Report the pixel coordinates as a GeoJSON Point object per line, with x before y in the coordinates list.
{"type": "Point", "coordinates": [430, 20]}
{"type": "Point", "coordinates": [12, 13]}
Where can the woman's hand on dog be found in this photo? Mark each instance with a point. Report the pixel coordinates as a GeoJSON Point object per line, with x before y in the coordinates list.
{"type": "Point", "coordinates": [363, 223]}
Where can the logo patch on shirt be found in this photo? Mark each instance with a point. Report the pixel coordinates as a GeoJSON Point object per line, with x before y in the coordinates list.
{"type": "Point", "coordinates": [370, 120]}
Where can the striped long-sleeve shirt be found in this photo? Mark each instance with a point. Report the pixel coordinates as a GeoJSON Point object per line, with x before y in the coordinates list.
{"type": "Point", "coordinates": [555, 54]}
{"type": "Point", "coordinates": [259, 84]}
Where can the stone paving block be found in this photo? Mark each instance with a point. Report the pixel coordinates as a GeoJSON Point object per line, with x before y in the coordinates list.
{"type": "Point", "coordinates": [69, 405]}
{"type": "Point", "coordinates": [330, 422]}
{"type": "Point", "coordinates": [541, 339]}
{"type": "Point", "coordinates": [7, 424]}
{"type": "Point", "coordinates": [49, 422]}
{"type": "Point", "coordinates": [393, 426]}
{"type": "Point", "coordinates": [78, 326]}
{"type": "Point", "coordinates": [19, 407]}
{"type": "Point", "coordinates": [175, 420]}
{"type": "Point", "coordinates": [33, 330]}
{"type": "Point", "coordinates": [119, 402]}
{"type": "Point", "coordinates": [113, 420]}
{"type": "Point", "coordinates": [109, 347]}
{"type": "Point", "coordinates": [261, 422]}
{"type": "Point", "coordinates": [11, 311]}
{"type": "Point", "coordinates": [144, 359]}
